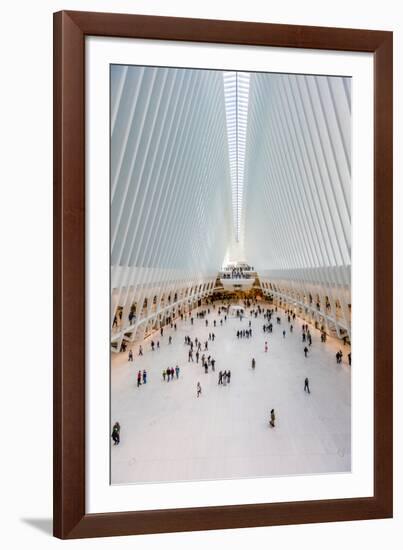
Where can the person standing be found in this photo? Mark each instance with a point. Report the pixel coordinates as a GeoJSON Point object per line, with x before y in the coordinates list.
{"type": "Point", "coordinates": [306, 386]}
{"type": "Point", "coordinates": [199, 390]}
{"type": "Point", "coordinates": [116, 433]}
{"type": "Point", "coordinates": [131, 355]}
{"type": "Point", "coordinates": [272, 418]}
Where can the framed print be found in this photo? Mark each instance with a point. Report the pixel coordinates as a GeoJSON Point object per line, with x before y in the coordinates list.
{"type": "Point", "coordinates": [222, 240]}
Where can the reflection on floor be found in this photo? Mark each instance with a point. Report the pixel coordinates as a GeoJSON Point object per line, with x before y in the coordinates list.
{"type": "Point", "coordinates": [168, 434]}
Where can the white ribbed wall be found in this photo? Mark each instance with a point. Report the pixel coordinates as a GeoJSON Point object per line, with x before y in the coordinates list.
{"type": "Point", "coordinates": [297, 215]}
{"type": "Point", "coordinates": [172, 197]}
{"type": "Point", "coordinates": [171, 205]}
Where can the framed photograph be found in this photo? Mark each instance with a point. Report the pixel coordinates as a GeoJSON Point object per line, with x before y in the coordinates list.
{"type": "Point", "coordinates": [222, 241]}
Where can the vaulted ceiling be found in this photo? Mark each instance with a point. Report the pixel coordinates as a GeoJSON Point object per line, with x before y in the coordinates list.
{"type": "Point", "coordinates": [201, 159]}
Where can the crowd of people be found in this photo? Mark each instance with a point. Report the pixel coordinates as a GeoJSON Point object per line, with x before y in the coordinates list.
{"type": "Point", "coordinates": [198, 353]}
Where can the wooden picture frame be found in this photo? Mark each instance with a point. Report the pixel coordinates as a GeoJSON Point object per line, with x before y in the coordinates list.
{"type": "Point", "coordinates": [70, 517]}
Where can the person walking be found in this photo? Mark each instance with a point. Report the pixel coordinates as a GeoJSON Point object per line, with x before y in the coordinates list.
{"type": "Point", "coordinates": [220, 377]}
{"type": "Point", "coordinates": [306, 386]}
{"type": "Point", "coordinates": [199, 389]}
{"type": "Point", "coordinates": [349, 359]}
{"type": "Point", "coordinates": [253, 363]}
{"type": "Point", "coordinates": [164, 373]}
{"type": "Point", "coordinates": [116, 433]}
{"type": "Point", "coordinates": [266, 347]}
{"type": "Point", "coordinates": [139, 378]}
{"type": "Point", "coordinates": [144, 377]}
{"type": "Point", "coordinates": [131, 355]}
{"type": "Point", "coordinates": [283, 333]}
{"type": "Point", "coordinates": [306, 351]}
{"type": "Point", "coordinates": [272, 418]}
{"type": "Point", "coordinates": [140, 350]}
{"type": "Point", "coordinates": [229, 376]}
{"type": "Point", "coordinates": [177, 371]}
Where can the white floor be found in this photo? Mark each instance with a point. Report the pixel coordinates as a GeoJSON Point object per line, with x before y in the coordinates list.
{"type": "Point", "coordinates": [167, 434]}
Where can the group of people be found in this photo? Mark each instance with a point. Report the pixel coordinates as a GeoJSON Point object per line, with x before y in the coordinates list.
{"type": "Point", "coordinates": [245, 333]}
{"type": "Point", "coordinates": [141, 376]}
{"type": "Point", "coordinates": [224, 377]}
{"type": "Point", "coordinates": [169, 373]}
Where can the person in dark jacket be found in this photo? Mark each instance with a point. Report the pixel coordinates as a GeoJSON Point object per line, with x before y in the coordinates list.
{"type": "Point", "coordinates": [116, 433]}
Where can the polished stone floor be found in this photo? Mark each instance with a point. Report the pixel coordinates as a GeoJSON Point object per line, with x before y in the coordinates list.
{"type": "Point", "coordinates": [168, 434]}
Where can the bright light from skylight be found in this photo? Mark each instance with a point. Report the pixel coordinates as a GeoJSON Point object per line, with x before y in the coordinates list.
{"type": "Point", "coordinates": [236, 92]}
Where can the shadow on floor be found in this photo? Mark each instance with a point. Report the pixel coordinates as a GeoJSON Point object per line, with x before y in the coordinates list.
{"type": "Point", "coordinates": [42, 524]}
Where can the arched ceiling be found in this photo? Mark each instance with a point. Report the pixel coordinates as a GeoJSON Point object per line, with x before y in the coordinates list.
{"type": "Point", "coordinates": [174, 203]}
